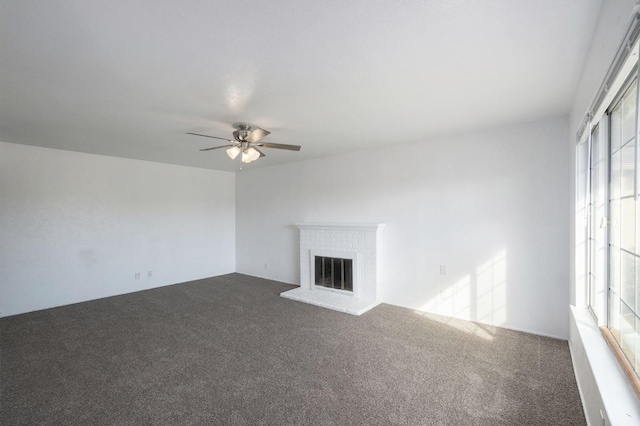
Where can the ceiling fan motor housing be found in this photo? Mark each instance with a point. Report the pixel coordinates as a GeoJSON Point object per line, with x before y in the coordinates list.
{"type": "Point", "coordinates": [241, 135]}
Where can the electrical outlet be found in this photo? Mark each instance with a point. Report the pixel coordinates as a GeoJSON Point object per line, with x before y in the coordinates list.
{"type": "Point", "coordinates": [149, 274]}
{"type": "Point", "coordinates": [136, 275]}
{"type": "Point", "coordinates": [266, 265]}
{"type": "Point", "coordinates": [443, 270]}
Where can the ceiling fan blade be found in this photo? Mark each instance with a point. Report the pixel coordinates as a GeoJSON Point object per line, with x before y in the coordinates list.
{"type": "Point", "coordinates": [207, 136]}
{"type": "Point", "coordinates": [215, 147]}
{"type": "Point", "coordinates": [257, 134]}
{"type": "Point", "coordinates": [279, 146]}
{"type": "Point", "coordinates": [262, 154]}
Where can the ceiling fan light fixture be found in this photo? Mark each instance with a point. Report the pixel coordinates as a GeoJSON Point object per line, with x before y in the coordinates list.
{"type": "Point", "coordinates": [233, 152]}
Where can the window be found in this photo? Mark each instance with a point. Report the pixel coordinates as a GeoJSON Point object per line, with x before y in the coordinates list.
{"type": "Point", "coordinates": [613, 224]}
{"type": "Point", "coordinates": [607, 214]}
{"type": "Point", "coordinates": [624, 259]}
{"type": "Point", "coordinates": [596, 225]}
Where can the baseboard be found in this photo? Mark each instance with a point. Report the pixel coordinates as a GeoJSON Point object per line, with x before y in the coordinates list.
{"type": "Point", "coordinates": [537, 333]}
{"type": "Point", "coordinates": [267, 278]}
{"type": "Point", "coordinates": [105, 296]}
{"type": "Point", "coordinates": [522, 330]}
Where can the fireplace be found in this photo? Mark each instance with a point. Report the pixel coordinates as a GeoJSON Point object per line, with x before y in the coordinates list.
{"type": "Point", "coordinates": [339, 265]}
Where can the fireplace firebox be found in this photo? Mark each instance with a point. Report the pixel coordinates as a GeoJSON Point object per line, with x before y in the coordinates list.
{"type": "Point", "coordinates": [334, 273]}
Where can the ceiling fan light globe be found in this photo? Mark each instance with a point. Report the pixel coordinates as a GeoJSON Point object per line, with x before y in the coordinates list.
{"type": "Point", "coordinates": [233, 152]}
{"type": "Point", "coordinates": [246, 158]}
{"type": "Point", "coordinates": [252, 153]}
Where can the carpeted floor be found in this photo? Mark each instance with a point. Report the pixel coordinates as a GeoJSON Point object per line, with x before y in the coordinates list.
{"type": "Point", "coordinates": [230, 351]}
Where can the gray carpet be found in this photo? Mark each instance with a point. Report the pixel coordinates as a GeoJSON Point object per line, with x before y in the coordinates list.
{"type": "Point", "coordinates": [230, 351]}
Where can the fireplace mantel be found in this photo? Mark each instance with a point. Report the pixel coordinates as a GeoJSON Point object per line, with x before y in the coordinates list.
{"type": "Point", "coordinates": [362, 240]}
{"type": "Point", "coordinates": [339, 225]}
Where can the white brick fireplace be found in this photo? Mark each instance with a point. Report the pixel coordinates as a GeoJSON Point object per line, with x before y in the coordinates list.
{"type": "Point", "coordinates": [359, 244]}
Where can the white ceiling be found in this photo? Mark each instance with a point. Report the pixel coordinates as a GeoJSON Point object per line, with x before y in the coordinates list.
{"type": "Point", "coordinates": [129, 78]}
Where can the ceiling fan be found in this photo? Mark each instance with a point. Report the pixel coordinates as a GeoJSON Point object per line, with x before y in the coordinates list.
{"type": "Point", "coordinates": [246, 140]}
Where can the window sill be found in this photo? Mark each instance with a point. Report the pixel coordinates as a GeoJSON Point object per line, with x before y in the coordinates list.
{"type": "Point", "coordinates": [622, 360]}
{"type": "Point", "coordinates": [619, 401]}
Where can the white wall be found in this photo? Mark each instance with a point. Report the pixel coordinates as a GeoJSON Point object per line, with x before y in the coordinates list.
{"type": "Point", "coordinates": [602, 384]}
{"type": "Point", "coordinates": [492, 206]}
{"type": "Point", "coordinates": [75, 227]}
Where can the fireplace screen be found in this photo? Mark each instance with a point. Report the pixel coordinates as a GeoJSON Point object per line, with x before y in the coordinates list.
{"type": "Point", "coordinates": [334, 273]}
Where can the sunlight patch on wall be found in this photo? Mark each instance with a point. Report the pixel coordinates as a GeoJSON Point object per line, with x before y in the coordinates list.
{"type": "Point", "coordinates": [454, 301]}
{"type": "Point", "coordinates": [491, 299]}
{"type": "Point", "coordinates": [479, 296]}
